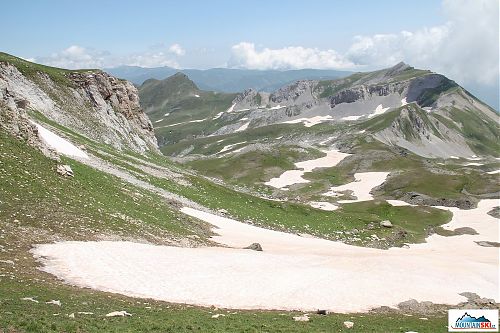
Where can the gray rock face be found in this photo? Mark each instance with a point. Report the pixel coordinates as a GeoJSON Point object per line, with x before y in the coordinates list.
{"type": "Point", "coordinates": [421, 199]}
{"type": "Point", "coordinates": [94, 104]}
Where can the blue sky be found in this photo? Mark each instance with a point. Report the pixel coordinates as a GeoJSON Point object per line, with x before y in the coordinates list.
{"type": "Point", "coordinates": [458, 38]}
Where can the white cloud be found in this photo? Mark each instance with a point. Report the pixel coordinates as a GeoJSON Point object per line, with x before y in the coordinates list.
{"type": "Point", "coordinates": [76, 57]}
{"type": "Point", "coordinates": [465, 48]}
{"type": "Point", "coordinates": [246, 56]}
{"type": "Point", "coordinates": [176, 49]}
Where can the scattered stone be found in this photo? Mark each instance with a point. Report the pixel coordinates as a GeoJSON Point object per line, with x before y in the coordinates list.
{"type": "Point", "coordinates": [474, 301]}
{"type": "Point", "coordinates": [488, 244]}
{"type": "Point", "coordinates": [85, 313]}
{"type": "Point", "coordinates": [71, 315]}
{"type": "Point", "coordinates": [119, 314]}
{"type": "Point", "coordinates": [65, 170]}
{"type": "Point", "coordinates": [254, 246]}
{"type": "Point", "coordinates": [215, 316]}
{"type": "Point", "coordinates": [304, 317]}
{"type": "Point", "coordinates": [423, 318]}
{"type": "Point", "coordinates": [58, 303]}
{"type": "Point", "coordinates": [7, 262]}
{"type": "Point", "coordinates": [386, 224]}
{"type": "Point", "coordinates": [222, 211]}
{"type": "Point", "coordinates": [348, 324]}
{"type": "Point", "coordinates": [322, 312]}
{"type": "Point", "coordinates": [31, 299]}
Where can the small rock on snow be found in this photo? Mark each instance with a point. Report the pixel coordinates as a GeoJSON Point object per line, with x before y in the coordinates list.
{"type": "Point", "coordinates": [254, 246]}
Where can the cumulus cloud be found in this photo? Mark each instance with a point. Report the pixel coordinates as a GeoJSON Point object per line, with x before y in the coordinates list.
{"type": "Point", "coordinates": [465, 48]}
{"type": "Point", "coordinates": [246, 56]}
{"type": "Point", "coordinates": [176, 49]}
{"type": "Point", "coordinates": [76, 57]}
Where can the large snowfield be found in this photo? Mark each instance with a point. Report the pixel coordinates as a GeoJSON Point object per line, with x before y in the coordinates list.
{"type": "Point", "coordinates": [292, 272]}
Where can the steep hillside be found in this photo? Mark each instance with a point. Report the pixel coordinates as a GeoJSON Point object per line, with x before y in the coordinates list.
{"type": "Point", "coordinates": [89, 102]}
{"type": "Point", "coordinates": [179, 109]}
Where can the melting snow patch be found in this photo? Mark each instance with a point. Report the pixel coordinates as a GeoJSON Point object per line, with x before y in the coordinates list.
{"type": "Point", "coordinates": [493, 172]}
{"type": "Point", "coordinates": [361, 187]}
{"type": "Point", "coordinates": [290, 268]}
{"type": "Point", "coordinates": [197, 96]}
{"type": "Point", "coordinates": [59, 144]}
{"type": "Point", "coordinates": [351, 118]}
{"type": "Point", "coordinates": [231, 108]}
{"type": "Point", "coordinates": [218, 115]}
{"type": "Point", "coordinates": [473, 164]}
{"type": "Point", "coordinates": [243, 127]}
{"type": "Point", "coordinates": [291, 177]}
{"type": "Point", "coordinates": [379, 110]}
{"type": "Point", "coordinates": [403, 102]}
{"type": "Point", "coordinates": [308, 122]}
{"type": "Point", "coordinates": [277, 107]}
{"type": "Point", "coordinates": [159, 120]}
{"type": "Point", "coordinates": [228, 147]}
{"type": "Point", "coordinates": [323, 205]}
{"type": "Point", "coordinates": [182, 123]}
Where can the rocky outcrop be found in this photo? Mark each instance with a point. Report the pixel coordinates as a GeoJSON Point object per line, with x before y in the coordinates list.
{"type": "Point", "coordinates": [91, 103]}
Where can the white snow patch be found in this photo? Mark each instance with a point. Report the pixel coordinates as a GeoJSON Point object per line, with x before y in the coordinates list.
{"type": "Point", "coordinates": [182, 123]}
{"type": "Point", "coordinates": [378, 111]}
{"type": "Point", "coordinates": [349, 118]}
{"type": "Point", "coordinates": [493, 172]}
{"type": "Point", "coordinates": [195, 95]}
{"type": "Point", "coordinates": [243, 127]}
{"type": "Point", "coordinates": [231, 108]}
{"type": "Point", "coordinates": [228, 147]}
{"type": "Point", "coordinates": [290, 177]}
{"type": "Point", "coordinates": [454, 157]}
{"type": "Point", "coordinates": [399, 203]}
{"type": "Point", "coordinates": [474, 158]}
{"type": "Point", "coordinates": [59, 144]}
{"type": "Point", "coordinates": [308, 122]}
{"type": "Point", "coordinates": [473, 164]}
{"type": "Point", "coordinates": [403, 102]}
{"type": "Point", "coordinates": [159, 120]}
{"type": "Point", "coordinates": [277, 107]}
{"type": "Point", "coordinates": [361, 187]}
{"type": "Point", "coordinates": [294, 273]}
{"type": "Point", "coordinates": [323, 205]}
{"type": "Point", "coordinates": [218, 115]}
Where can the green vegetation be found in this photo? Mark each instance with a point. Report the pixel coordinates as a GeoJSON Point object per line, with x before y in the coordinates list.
{"type": "Point", "coordinates": [91, 203]}
{"type": "Point", "coordinates": [256, 166]}
{"type": "Point", "coordinates": [296, 217]}
{"type": "Point", "coordinates": [153, 316]}
{"type": "Point", "coordinates": [480, 131]}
